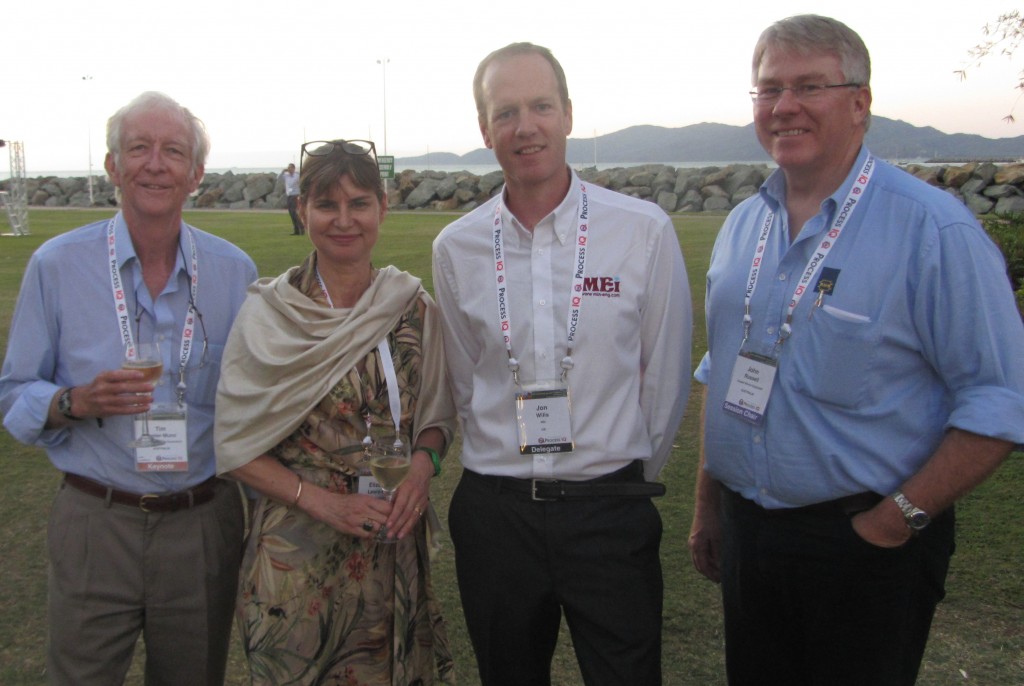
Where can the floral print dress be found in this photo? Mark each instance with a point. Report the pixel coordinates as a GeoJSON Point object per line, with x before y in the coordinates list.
{"type": "Point", "coordinates": [320, 607]}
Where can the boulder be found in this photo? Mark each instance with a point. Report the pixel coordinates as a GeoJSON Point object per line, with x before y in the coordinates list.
{"type": "Point", "coordinates": [978, 204]}
{"type": "Point", "coordinates": [258, 186]}
{"type": "Point", "coordinates": [716, 203]}
{"type": "Point", "coordinates": [488, 182]}
{"type": "Point", "coordinates": [423, 193]}
{"type": "Point", "coordinates": [956, 177]}
{"type": "Point", "coordinates": [1010, 205]}
{"type": "Point", "coordinates": [668, 201]}
{"type": "Point", "coordinates": [1011, 175]}
{"type": "Point", "coordinates": [447, 187]}
{"type": "Point", "coordinates": [1003, 190]}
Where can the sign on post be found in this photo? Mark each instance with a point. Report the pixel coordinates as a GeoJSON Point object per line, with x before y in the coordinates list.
{"type": "Point", "coordinates": [386, 164]}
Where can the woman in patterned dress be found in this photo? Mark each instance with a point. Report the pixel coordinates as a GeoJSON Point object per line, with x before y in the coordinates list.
{"type": "Point", "coordinates": [305, 382]}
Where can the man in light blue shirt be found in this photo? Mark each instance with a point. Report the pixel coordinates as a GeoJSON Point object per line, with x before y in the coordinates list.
{"type": "Point", "coordinates": [139, 540]}
{"type": "Point", "coordinates": [865, 369]}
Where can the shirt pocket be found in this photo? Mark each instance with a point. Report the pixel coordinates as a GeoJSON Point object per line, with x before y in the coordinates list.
{"type": "Point", "coordinates": [834, 359]}
{"type": "Point", "coordinates": [202, 375]}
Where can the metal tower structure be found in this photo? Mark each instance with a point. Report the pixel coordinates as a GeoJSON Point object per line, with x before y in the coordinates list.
{"type": "Point", "coordinates": [15, 198]}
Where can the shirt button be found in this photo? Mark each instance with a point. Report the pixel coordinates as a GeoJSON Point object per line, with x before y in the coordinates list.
{"type": "Point", "coordinates": [771, 330]}
{"type": "Point", "coordinates": [757, 438]}
{"type": "Point", "coordinates": [782, 277]}
{"type": "Point", "coordinates": [543, 302]}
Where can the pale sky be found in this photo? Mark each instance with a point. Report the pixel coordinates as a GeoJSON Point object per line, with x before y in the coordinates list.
{"type": "Point", "coordinates": [265, 76]}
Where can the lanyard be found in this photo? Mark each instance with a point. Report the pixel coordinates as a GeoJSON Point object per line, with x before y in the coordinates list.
{"type": "Point", "coordinates": [575, 289]}
{"type": "Point", "coordinates": [386, 361]}
{"type": "Point", "coordinates": [121, 305]}
{"type": "Point", "coordinates": [817, 258]}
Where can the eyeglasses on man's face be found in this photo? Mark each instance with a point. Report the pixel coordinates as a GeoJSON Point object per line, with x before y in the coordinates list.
{"type": "Point", "coordinates": [764, 96]}
{"type": "Point", "coordinates": [356, 148]}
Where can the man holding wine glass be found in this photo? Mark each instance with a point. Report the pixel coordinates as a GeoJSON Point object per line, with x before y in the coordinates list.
{"type": "Point", "coordinates": [141, 539]}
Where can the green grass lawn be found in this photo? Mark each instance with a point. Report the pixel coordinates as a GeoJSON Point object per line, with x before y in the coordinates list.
{"type": "Point", "coordinates": [977, 638]}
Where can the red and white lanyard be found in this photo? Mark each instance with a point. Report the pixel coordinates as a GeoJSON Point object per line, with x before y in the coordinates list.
{"type": "Point", "coordinates": [575, 290]}
{"type": "Point", "coordinates": [121, 301]}
{"type": "Point", "coordinates": [860, 185]}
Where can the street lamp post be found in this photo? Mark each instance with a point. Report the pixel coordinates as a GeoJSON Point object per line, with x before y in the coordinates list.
{"type": "Point", "coordinates": [383, 62]}
{"type": "Point", "coordinates": [88, 121]}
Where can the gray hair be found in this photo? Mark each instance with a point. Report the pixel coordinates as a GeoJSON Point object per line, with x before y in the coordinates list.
{"type": "Point", "coordinates": [812, 34]}
{"type": "Point", "coordinates": [153, 100]}
{"type": "Point", "coordinates": [809, 34]}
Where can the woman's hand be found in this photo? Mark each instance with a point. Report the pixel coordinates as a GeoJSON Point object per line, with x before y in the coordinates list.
{"type": "Point", "coordinates": [352, 514]}
{"type": "Point", "coordinates": [412, 498]}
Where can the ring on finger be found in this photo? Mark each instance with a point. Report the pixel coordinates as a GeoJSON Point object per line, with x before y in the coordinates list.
{"type": "Point", "coordinates": [367, 525]}
{"type": "Point", "coordinates": [419, 512]}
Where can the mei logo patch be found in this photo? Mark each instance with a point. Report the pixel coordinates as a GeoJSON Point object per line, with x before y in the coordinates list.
{"type": "Point", "coordinates": [602, 286]}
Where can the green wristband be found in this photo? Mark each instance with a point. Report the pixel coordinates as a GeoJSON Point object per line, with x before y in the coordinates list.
{"type": "Point", "coordinates": [434, 457]}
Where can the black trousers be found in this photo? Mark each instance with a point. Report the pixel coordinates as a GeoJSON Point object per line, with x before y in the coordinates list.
{"type": "Point", "coordinates": [293, 212]}
{"type": "Point", "coordinates": [521, 563]}
{"type": "Point", "coordinates": [809, 603]}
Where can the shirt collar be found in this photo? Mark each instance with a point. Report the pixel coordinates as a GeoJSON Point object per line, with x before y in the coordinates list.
{"type": "Point", "coordinates": [560, 220]}
{"type": "Point", "coordinates": [773, 190]}
{"type": "Point", "coordinates": [126, 249]}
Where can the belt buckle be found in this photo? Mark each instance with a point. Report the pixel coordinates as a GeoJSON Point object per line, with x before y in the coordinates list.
{"type": "Point", "coordinates": [144, 498]}
{"type": "Point", "coordinates": [533, 490]}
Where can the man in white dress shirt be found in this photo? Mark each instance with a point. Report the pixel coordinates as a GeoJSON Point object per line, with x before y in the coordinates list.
{"type": "Point", "coordinates": [567, 322]}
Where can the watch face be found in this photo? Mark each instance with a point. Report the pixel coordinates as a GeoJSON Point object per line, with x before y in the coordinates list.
{"type": "Point", "coordinates": [918, 520]}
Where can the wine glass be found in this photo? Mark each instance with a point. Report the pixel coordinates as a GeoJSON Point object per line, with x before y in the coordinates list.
{"type": "Point", "coordinates": [144, 357]}
{"type": "Point", "coordinates": [389, 464]}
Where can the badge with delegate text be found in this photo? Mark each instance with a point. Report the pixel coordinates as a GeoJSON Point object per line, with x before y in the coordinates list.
{"type": "Point", "coordinates": [543, 416]}
{"type": "Point", "coordinates": [166, 424]}
{"type": "Point", "coordinates": [750, 387]}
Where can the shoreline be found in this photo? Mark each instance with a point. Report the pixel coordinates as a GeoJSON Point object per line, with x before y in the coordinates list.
{"type": "Point", "coordinates": [984, 187]}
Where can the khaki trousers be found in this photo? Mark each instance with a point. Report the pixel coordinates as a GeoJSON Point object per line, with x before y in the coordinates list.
{"type": "Point", "coordinates": [116, 571]}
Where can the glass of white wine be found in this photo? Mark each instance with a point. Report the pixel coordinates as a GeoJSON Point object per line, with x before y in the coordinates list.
{"type": "Point", "coordinates": [389, 463]}
{"type": "Point", "coordinates": [144, 357]}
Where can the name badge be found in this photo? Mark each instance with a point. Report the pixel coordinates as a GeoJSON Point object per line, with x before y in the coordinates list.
{"type": "Point", "coordinates": [752, 378]}
{"type": "Point", "coordinates": [543, 415]}
{"type": "Point", "coordinates": [167, 424]}
{"type": "Point", "coordinates": [367, 485]}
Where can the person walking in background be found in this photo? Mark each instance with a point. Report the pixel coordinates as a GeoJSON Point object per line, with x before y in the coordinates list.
{"type": "Point", "coordinates": [291, 191]}
{"type": "Point", "coordinates": [865, 370]}
{"type": "Point", "coordinates": [142, 540]}
{"type": "Point", "coordinates": [324, 361]}
{"type": "Point", "coordinates": [555, 289]}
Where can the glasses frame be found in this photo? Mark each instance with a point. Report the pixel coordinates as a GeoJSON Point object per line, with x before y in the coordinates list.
{"type": "Point", "coordinates": [806, 91]}
{"type": "Point", "coordinates": [314, 148]}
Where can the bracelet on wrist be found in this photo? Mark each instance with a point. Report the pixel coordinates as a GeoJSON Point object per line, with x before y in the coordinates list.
{"type": "Point", "coordinates": [434, 458]}
{"type": "Point", "coordinates": [298, 494]}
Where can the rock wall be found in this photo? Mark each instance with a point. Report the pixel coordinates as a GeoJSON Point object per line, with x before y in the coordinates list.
{"type": "Point", "coordinates": [984, 187]}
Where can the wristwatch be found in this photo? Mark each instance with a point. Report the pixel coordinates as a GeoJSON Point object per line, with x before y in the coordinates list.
{"type": "Point", "coordinates": [64, 404]}
{"type": "Point", "coordinates": [915, 517]}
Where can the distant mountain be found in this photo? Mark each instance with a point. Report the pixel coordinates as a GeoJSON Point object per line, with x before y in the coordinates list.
{"type": "Point", "coordinates": [890, 139]}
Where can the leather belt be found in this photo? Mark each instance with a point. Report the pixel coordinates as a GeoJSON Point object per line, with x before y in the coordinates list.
{"type": "Point", "coordinates": [608, 486]}
{"type": "Point", "coordinates": [846, 506]}
{"type": "Point", "coordinates": [147, 502]}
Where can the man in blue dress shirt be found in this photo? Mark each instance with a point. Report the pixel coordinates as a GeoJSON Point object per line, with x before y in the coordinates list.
{"type": "Point", "coordinates": [140, 540]}
{"type": "Point", "coordinates": [865, 369]}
